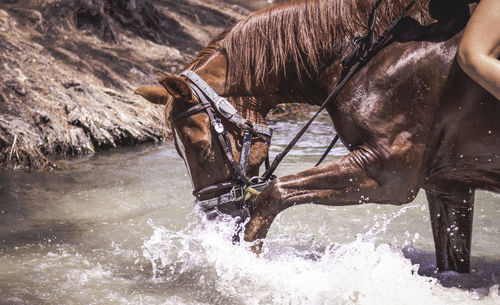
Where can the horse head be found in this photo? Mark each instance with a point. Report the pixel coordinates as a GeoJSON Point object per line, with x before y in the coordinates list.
{"type": "Point", "coordinates": [222, 145]}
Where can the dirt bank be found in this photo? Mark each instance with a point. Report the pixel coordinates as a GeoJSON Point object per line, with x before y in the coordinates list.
{"type": "Point", "coordinates": [68, 69]}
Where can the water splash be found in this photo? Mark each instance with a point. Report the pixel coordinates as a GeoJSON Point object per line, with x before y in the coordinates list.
{"type": "Point", "coordinates": [297, 269]}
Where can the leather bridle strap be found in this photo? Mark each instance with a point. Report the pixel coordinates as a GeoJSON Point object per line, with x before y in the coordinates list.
{"type": "Point", "coordinates": [195, 109]}
{"type": "Point", "coordinates": [220, 131]}
{"type": "Point", "coordinates": [214, 188]}
{"type": "Point", "coordinates": [223, 107]}
{"type": "Point", "coordinates": [363, 54]}
{"type": "Point", "coordinates": [212, 104]}
{"type": "Point", "coordinates": [327, 151]}
{"type": "Point", "coordinates": [245, 151]}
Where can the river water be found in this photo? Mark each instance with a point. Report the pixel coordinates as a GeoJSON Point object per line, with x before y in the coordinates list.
{"type": "Point", "coordinates": [120, 228]}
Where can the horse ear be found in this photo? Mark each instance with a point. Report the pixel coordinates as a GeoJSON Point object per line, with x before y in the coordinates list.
{"type": "Point", "coordinates": [177, 87]}
{"type": "Point", "coordinates": [154, 94]}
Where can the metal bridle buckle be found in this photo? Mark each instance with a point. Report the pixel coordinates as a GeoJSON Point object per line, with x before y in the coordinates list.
{"type": "Point", "coordinates": [238, 193]}
{"type": "Point", "coordinates": [225, 108]}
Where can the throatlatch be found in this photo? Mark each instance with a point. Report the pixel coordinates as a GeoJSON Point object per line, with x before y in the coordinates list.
{"type": "Point", "coordinates": [241, 188]}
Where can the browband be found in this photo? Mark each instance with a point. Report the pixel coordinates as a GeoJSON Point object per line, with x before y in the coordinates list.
{"type": "Point", "coordinates": [223, 106]}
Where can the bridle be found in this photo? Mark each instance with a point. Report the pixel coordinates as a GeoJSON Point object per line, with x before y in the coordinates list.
{"type": "Point", "coordinates": [241, 187]}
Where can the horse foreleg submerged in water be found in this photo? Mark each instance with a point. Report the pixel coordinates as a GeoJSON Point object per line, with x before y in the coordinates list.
{"type": "Point", "coordinates": [412, 120]}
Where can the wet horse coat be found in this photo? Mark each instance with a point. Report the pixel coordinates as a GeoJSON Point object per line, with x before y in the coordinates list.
{"type": "Point", "coordinates": [410, 118]}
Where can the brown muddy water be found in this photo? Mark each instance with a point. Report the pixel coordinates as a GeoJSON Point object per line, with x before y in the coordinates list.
{"type": "Point", "coordinates": [120, 228]}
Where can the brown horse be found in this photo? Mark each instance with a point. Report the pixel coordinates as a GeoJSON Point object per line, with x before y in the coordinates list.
{"type": "Point", "coordinates": [410, 118]}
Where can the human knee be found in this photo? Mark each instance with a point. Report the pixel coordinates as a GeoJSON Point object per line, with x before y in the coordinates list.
{"type": "Point", "coordinates": [467, 58]}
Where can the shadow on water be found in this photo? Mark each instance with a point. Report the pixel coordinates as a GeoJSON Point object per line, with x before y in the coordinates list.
{"type": "Point", "coordinates": [21, 299]}
{"type": "Point", "coordinates": [19, 225]}
{"type": "Point", "coordinates": [40, 233]}
{"type": "Point", "coordinates": [196, 288]}
{"type": "Point", "coordinates": [484, 273]}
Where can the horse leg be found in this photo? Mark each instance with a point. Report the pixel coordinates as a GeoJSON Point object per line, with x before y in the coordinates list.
{"type": "Point", "coordinates": [363, 176]}
{"type": "Point", "coordinates": [451, 218]}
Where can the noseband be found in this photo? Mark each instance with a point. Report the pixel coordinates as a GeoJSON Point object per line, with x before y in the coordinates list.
{"type": "Point", "coordinates": [241, 187]}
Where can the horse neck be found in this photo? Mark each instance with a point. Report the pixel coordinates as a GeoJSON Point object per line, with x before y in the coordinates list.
{"type": "Point", "coordinates": [266, 47]}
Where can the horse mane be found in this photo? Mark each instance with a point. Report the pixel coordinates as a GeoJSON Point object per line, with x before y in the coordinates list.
{"type": "Point", "coordinates": [207, 51]}
{"type": "Point", "coordinates": [302, 37]}
{"type": "Point", "coordinates": [244, 104]}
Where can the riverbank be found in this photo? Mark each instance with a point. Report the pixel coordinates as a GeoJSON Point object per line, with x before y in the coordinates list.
{"type": "Point", "coordinates": [68, 71]}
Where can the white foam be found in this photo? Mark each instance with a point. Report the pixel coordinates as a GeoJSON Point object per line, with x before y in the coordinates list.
{"type": "Point", "coordinates": [292, 270]}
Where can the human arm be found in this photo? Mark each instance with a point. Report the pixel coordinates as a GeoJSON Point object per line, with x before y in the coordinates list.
{"type": "Point", "coordinates": [479, 51]}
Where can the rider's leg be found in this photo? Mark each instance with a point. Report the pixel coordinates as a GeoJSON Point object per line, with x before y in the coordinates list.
{"type": "Point", "coordinates": [479, 51]}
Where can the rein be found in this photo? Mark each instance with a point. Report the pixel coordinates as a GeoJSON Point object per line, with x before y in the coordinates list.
{"type": "Point", "coordinates": [242, 188]}
{"type": "Point", "coordinates": [367, 48]}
